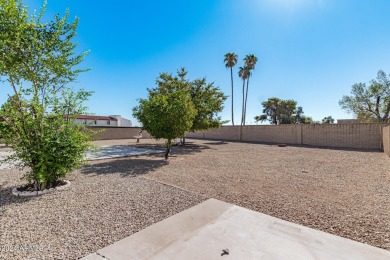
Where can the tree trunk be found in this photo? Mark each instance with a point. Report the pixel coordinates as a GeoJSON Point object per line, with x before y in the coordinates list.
{"type": "Point", "coordinates": [243, 101]}
{"type": "Point", "coordinates": [168, 145]}
{"type": "Point", "coordinates": [377, 108]}
{"type": "Point", "coordinates": [231, 76]}
{"type": "Point", "coordinates": [246, 98]}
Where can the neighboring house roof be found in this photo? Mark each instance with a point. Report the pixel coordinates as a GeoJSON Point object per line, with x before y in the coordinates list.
{"type": "Point", "coordinates": [96, 117]}
{"type": "Point", "coordinates": [347, 121]}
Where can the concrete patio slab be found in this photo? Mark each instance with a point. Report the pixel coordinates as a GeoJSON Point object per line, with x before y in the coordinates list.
{"type": "Point", "coordinates": [117, 151]}
{"type": "Point", "coordinates": [203, 231]}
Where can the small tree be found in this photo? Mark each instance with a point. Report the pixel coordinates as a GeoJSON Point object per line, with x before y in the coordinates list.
{"type": "Point", "coordinates": [37, 61]}
{"type": "Point", "coordinates": [168, 112]}
{"type": "Point", "coordinates": [369, 103]}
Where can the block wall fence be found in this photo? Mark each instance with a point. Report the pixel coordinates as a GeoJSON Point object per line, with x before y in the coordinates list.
{"type": "Point", "coordinates": [354, 136]}
{"type": "Point", "coordinates": [114, 132]}
{"type": "Point", "coordinates": [386, 139]}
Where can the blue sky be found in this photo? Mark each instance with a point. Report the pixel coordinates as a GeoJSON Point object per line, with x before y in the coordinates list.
{"type": "Point", "coordinates": [312, 51]}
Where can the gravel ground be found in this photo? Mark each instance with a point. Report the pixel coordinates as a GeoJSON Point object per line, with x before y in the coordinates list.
{"type": "Point", "coordinates": [106, 202]}
{"type": "Point", "coordinates": [345, 193]}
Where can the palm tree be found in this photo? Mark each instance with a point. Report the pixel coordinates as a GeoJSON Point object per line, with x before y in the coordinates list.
{"type": "Point", "coordinates": [250, 62]}
{"type": "Point", "coordinates": [244, 73]}
{"type": "Point", "coordinates": [230, 61]}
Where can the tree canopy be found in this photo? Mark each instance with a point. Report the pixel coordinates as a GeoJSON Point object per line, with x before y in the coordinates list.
{"type": "Point", "coordinates": [369, 103]}
{"type": "Point", "coordinates": [278, 111]}
{"type": "Point", "coordinates": [177, 106]}
{"type": "Point", "coordinates": [208, 102]}
{"type": "Point", "coordinates": [328, 120]}
{"type": "Point", "coordinates": [168, 112]}
{"type": "Point", "coordinates": [38, 62]}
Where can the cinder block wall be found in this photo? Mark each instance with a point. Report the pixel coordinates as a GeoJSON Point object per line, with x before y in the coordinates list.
{"type": "Point", "coordinates": [359, 136]}
{"type": "Point", "coordinates": [289, 134]}
{"type": "Point", "coordinates": [356, 136]}
{"type": "Point", "coordinates": [386, 139]}
{"type": "Point", "coordinates": [224, 133]}
{"type": "Point", "coordinates": [110, 133]}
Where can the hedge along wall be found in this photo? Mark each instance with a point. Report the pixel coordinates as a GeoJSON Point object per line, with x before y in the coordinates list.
{"type": "Point", "coordinates": [114, 132]}
{"type": "Point", "coordinates": [356, 136]}
{"type": "Point", "coordinates": [386, 139]}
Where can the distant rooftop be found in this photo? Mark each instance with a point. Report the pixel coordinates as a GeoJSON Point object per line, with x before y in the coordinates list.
{"type": "Point", "coordinates": [347, 121]}
{"type": "Point", "coordinates": [92, 117]}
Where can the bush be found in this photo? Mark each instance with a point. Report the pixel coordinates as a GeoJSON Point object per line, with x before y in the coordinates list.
{"type": "Point", "coordinates": [38, 62]}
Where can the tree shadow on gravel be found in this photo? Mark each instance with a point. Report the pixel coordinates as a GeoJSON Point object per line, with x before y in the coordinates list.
{"type": "Point", "coordinates": [216, 143]}
{"type": "Point", "coordinates": [126, 167]}
{"type": "Point", "coordinates": [138, 165]}
{"type": "Point", "coordinates": [188, 148]}
{"type": "Point", "coordinates": [7, 198]}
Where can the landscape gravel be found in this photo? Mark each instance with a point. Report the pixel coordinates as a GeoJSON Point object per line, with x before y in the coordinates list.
{"type": "Point", "coordinates": [342, 192]}
{"type": "Point", "coordinates": [106, 202]}
{"type": "Point", "coordinates": [346, 193]}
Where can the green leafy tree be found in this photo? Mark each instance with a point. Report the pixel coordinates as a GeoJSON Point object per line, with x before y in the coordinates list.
{"type": "Point", "coordinates": [271, 111]}
{"type": "Point", "coordinates": [208, 102]}
{"type": "Point", "coordinates": [202, 107]}
{"type": "Point", "coordinates": [2, 129]}
{"type": "Point", "coordinates": [38, 62]}
{"type": "Point", "coordinates": [278, 111]}
{"type": "Point", "coordinates": [250, 62]}
{"type": "Point", "coordinates": [328, 120]}
{"type": "Point", "coordinates": [231, 61]}
{"type": "Point", "coordinates": [308, 120]}
{"type": "Point", "coordinates": [168, 112]}
{"type": "Point", "coordinates": [287, 109]}
{"type": "Point", "coordinates": [369, 103]}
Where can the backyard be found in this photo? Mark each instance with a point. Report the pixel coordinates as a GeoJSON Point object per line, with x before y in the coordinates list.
{"type": "Point", "coordinates": [342, 192]}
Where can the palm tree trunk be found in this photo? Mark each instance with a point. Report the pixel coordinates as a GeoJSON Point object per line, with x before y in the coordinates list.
{"type": "Point", "coordinates": [246, 98]}
{"type": "Point", "coordinates": [243, 102]}
{"type": "Point", "coordinates": [231, 76]}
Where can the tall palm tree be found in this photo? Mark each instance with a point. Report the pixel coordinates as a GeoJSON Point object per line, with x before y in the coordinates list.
{"type": "Point", "coordinates": [244, 73]}
{"type": "Point", "coordinates": [230, 61]}
{"type": "Point", "coordinates": [250, 62]}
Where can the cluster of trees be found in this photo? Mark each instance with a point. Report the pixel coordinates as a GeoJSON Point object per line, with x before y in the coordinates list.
{"type": "Point", "coordinates": [370, 103]}
{"type": "Point", "coordinates": [279, 111]}
{"type": "Point", "coordinates": [244, 73]}
{"type": "Point", "coordinates": [276, 111]}
{"type": "Point", "coordinates": [177, 106]}
{"type": "Point", "coordinates": [37, 61]}
{"type": "Point", "coordinates": [328, 120]}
